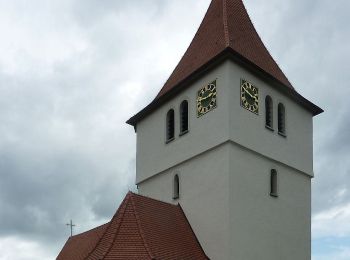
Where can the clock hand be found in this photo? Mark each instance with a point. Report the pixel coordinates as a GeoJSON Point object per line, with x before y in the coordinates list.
{"type": "Point", "coordinates": [253, 97]}
{"type": "Point", "coordinates": [204, 98]}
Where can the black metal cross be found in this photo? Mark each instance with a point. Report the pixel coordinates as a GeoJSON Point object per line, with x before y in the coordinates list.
{"type": "Point", "coordinates": [71, 227]}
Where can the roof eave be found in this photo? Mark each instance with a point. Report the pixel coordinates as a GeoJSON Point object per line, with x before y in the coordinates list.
{"type": "Point", "coordinates": [182, 85]}
{"type": "Point", "coordinates": [227, 53]}
{"type": "Point", "coordinates": [278, 85]}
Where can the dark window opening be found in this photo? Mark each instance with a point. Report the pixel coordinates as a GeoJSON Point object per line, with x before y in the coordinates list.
{"type": "Point", "coordinates": [269, 112]}
{"type": "Point", "coordinates": [176, 187]}
{"type": "Point", "coordinates": [281, 119]}
{"type": "Point", "coordinates": [184, 117]}
{"type": "Point", "coordinates": [170, 125]}
{"type": "Point", "coordinates": [273, 183]}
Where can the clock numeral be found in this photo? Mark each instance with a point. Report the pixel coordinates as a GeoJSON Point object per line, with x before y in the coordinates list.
{"type": "Point", "coordinates": [206, 99]}
{"type": "Point", "coordinates": [249, 96]}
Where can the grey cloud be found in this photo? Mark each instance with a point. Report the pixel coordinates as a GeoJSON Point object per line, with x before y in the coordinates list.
{"type": "Point", "coordinates": [308, 39]}
{"type": "Point", "coordinates": [92, 12]}
{"type": "Point", "coordinates": [65, 151]}
{"type": "Point", "coordinates": [62, 149]}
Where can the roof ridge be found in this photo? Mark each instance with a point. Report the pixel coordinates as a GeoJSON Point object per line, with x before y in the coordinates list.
{"type": "Point", "coordinates": [141, 232]}
{"type": "Point", "coordinates": [225, 21]}
{"type": "Point", "coordinates": [146, 197]}
{"type": "Point", "coordinates": [88, 231]}
{"type": "Point", "coordinates": [119, 221]}
{"type": "Point", "coordinates": [121, 210]}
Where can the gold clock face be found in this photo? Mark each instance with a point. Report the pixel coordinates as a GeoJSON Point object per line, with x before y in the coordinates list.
{"type": "Point", "coordinates": [249, 97]}
{"type": "Point", "coordinates": [206, 99]}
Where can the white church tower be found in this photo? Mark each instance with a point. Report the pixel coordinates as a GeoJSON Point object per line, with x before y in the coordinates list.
{"type": "Point", "coordinates": [230, 139]}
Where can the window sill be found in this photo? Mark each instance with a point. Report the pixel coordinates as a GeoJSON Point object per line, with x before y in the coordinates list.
{"type": "Point", "coordinates": [183, 133]}
{"type": "Point", "coordinates": [269, 128]}
{"type": "Point", "coordinates": [275, 195]}
{"type": "Point", "coordinates": [170, 140]}
{"type": "Point", "coordinates": [282, 134]}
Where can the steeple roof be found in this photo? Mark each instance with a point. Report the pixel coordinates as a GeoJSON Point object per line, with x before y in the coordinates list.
{"type": "Point", "coordinates": [226, 25]}
{"type": "Point", "coordinates": [142, 228]}
{"type": "Point", "coordinates": [225, 32]}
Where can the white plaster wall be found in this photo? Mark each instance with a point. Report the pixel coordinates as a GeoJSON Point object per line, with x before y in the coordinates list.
{"type": "Point", "coordinates": [249, 129]}
{"type": "Point", "coordinates": [204, 197]}
{"type": "Point", "coordinates": [225, 195]}
{"type": "Point", "coordinates": [154, 155]}
{"type": "Point", "coordinates": [261, 226]}
{"type": "Point", "coordinates": [228, 121]}
{"type": "Point", "coordinates": [224, 164]}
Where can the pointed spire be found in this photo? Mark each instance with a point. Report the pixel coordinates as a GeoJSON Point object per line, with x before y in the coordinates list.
{"type": "Point", "coordinates": [225, 30]}
{"type": "Point", "coordinates": [226, 25]}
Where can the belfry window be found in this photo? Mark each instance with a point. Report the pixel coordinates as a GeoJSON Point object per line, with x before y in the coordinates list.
{"type": "Point", "coordinates": [184, 117]}
{"type": "Point", "coordinates": [170, 125]}
{"type": "Point", "coordinates": [273, 183]}
{"type": "Point", "coordinates": [269, 112]}
{"type": "Point", "coordinates": [281, 119]}
{"type": "Point", "coordinates": [176, 191]}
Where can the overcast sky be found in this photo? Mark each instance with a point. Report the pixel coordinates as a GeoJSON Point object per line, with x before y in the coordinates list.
{"type": "Point", "coordinates": [73, 71]}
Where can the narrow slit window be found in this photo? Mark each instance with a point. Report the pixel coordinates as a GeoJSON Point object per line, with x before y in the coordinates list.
{"type": "Point", "coordinates": [281, 119]}
{"type": "Point", "coordinates": [184, 117]}
{"type": "Point", "coordinates": [269, 112]}
{"type": "Point", "coordinates": [273, 183]}
{"type": "Point", "coordinates": [170, 126]}
{"type": "Point", "coordinates": [176, 187]}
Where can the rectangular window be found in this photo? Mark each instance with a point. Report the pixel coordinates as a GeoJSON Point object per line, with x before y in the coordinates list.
{"type": "Point", "coordinates": [273, 183]}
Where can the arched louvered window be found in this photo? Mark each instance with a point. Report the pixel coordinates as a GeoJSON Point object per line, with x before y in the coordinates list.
{"type": "Point", "coordinates": [269, 112]}
{"type": "Point", "coordinates": [184, 117]}
{"type": "Point", "coordinates": [176, 194]}
{"type": "Point", "coordinates": [170, 125]}
{"type": "Point", "coordinates": [281, 119]}
{"type": "Point", "coordinates": [273, 183]}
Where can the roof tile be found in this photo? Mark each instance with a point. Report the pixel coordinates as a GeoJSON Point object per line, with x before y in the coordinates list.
{"type": "Point", "coordinates": [225, 25]}
{"type": "Point", "coordinates": [142, 228]}
{"type": "Point", "coordinates": [78, 247]}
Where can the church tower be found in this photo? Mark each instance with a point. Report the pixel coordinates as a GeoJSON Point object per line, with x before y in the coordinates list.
{"type": "Point", "coordinates": [230, 139]}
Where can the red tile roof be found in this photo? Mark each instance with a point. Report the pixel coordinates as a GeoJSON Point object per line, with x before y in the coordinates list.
{"type": "Point", "coordinates": [226, 25]}
{"type": "Point", "coordinates": [79, 246]}
{"type": "Point", "coordinates": [225, 32]}
{"type": "Point", "coordinates": [142, 228]}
